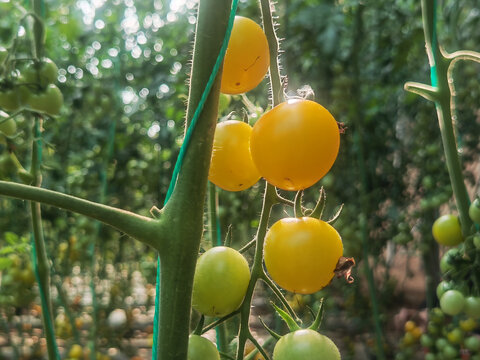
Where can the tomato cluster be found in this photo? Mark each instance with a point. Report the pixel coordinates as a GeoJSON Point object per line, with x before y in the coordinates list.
{"type": "Point", "coordinates": [292, 146]}
{"type": "Point", "coordinates": [441, 338]}
{"type": "Point", "coordinates": [31, 87]}
{"type": "Point", "coordinates": [452, 329]}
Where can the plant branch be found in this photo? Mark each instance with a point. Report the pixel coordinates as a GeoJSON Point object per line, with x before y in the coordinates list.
{"type": "Point", "coordinates": [426, 91]}
{"type": "Point", "coordinates": [464, 55]}
{"type": "Point", "coordinates": [139, 227]}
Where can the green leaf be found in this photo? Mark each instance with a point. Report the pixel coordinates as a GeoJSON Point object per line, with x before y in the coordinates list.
{"type": "Point", "coordinates": [292, 325]}
{"type": "Point", "coordinates": [11, 238]}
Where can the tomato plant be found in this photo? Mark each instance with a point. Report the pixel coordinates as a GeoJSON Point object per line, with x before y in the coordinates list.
{"type": "Point", "coordinates": [232, 167]}
{"type": "Point", "coordinates": [447, 231]}
{"type": "Point", "coordinates": [49, 101]}
{"type": "Point", "coordinates": [301, 253]}
{"type": "Point", "coordinates": [200, 348]}
{"type": "Point", "coordinates": [452, 302]}
{"type": "Point", "coordinates": [305, 344]}
{"type": "Point", "coordinates": [221, 279]}
{"type": "Point", "coordinates": [295, 144]}
{"type": "Point", "coordinates": [247, 59]}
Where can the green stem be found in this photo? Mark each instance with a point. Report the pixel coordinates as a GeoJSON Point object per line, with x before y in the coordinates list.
{"type": "Point", "coordinates": [275, 77]}
{"type": "Point", "coordinates": [269, 199]}
{"type": "Point", "coordinates": [144, 229]}
{"type": "Point", "coordinates": [440, 77]}
{"type": "Point", "coordinates": [38, 28]}
{"type": "Point", "coordinates": [215, 235]}
{"type": "Point", "coordinates": [183, 213]}
{"type": "Point", "coordinates": [41, 261]}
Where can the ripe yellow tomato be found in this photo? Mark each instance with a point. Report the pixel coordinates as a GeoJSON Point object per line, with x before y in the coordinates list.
{"type": "Point", "coordinates": [295, 144]}
{"type": "Point", "coordinates": [232, 167]}
{"type": "Point", "coordinates": [301, 254]}
{"type": "Point", "coordinates": [247, 58]}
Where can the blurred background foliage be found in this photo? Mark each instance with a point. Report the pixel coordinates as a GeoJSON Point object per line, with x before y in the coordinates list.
{"type": "Point", "coordinates": [124, 72]}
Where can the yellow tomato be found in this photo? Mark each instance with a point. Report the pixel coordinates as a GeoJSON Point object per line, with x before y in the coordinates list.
{"type": "Point", "coordinates": [301, 254]}
{"type": "Point", "coordinates": [247, 58]}
{"type": "Point", "coordinates": [295, 144]}
{"type": "Point", "coordinates": [232, 167]}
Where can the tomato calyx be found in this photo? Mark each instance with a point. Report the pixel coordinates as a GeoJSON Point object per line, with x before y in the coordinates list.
{"type": "Point", "coordinates": [344, 268]}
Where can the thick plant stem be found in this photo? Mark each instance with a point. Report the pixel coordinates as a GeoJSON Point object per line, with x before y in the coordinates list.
{"type": "Point", "coordinates": [183, 213]}
{"type": "Point", "coordinates": [440, 77]}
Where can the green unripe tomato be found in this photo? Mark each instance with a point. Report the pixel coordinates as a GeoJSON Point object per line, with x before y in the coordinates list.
{"type": "Point", "coordinates": [220, 282]}
{"type": "Point", "coordinates": [426, 340]}
{"type": "Point", "coordinates": [9, 100]}
{"type": "Point", "coordinates": [472, 307]}
{"type": "Point", "coordinates": [49, 101]}
{"type": "Point", "coordinates": [450, 352]}
{"type": "Point", "coordinates": [442, 287]}
{"type": "Point", "coordinates": [447, 231]}
{"type": "Point", "coordinates": [455, 336]}
{"type": "Point", "coordinates": [9, 127]}
{"type": "Point", "coordinates": [446, 261]}
{"type": "Point", "coordinates": [200, 348]}
{"type": "Point", "coordinates": [472, 343]}
{"type": "Point", "coordinates": [476, 241]}
{"type": "Point", "coordinates": [474, 211]}
{"type": "Point", "coordinates": [452, 302]}
{"type": "Point", "coordinates": [305, 344]}
{"type": "Point", "coordinates": [440, 343]}
{"type": "Point", "coordinates": [42, 73]}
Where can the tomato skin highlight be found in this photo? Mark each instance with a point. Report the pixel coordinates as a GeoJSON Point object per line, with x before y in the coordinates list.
{"type": "Point", "coordinates": [305, 344]}
{"type": "Point", "coordinates": [200, 348]}
{"type": "Point", "coordinates": [247, 58]}
{"type": "Point", "coordinates": [301, 254]}
{"type": "Point", "coordinates": [295, 144]}
{"type": "Point", "coordinates": [220, 282]}
{"type": "Point", "coordinates": [232, 167]}
{"type": "Point", "coordinates": [446, 230]}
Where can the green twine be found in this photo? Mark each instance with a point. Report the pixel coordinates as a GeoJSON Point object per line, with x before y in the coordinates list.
{"type": "Point", "coordinates": [433, 66]}
{"type": "Point", "coordinates": [181, 155]}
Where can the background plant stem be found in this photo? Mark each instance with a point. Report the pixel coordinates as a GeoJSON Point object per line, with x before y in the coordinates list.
{"type": "Point", "coordinates": [440, 67]}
